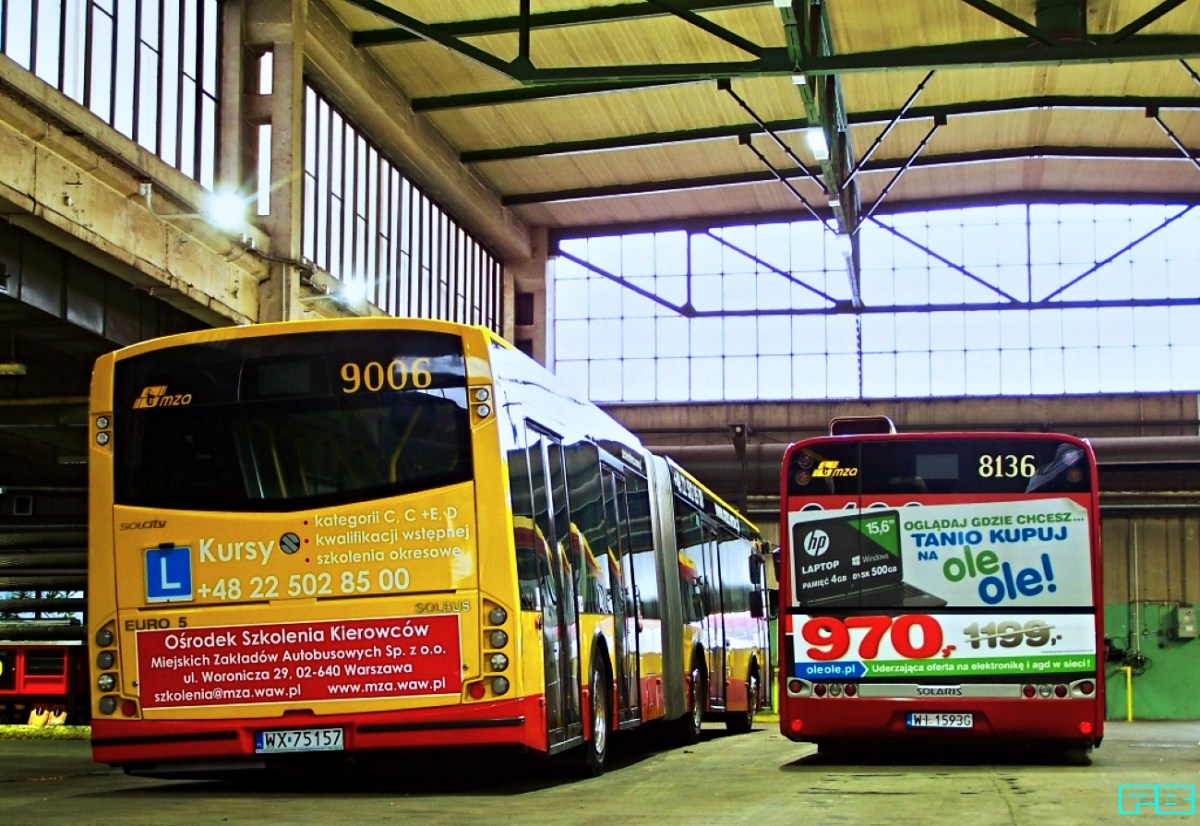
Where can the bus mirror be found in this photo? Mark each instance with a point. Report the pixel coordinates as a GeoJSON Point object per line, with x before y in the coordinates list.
{"type": "Point", "coordinates": [757, 608]}
{"type": "Point", "coordinates": [756, 567]}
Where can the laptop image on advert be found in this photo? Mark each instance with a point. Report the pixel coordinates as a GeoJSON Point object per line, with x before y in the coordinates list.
{"type": "Point", "coordinates": [854, 561]}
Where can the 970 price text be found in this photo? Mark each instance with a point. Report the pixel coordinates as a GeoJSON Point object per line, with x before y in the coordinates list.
{"type": "Point", "coordinates": [913, 636]}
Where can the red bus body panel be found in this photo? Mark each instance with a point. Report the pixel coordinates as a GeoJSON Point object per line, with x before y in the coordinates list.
{"type": "Point", "coordinates": [504, 723]}
{"type": "Point", "coordinates": [806, 717]}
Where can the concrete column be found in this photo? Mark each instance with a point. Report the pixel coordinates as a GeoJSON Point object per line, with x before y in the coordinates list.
{"type": "Point", "coordinates": [529, 278]}
{"type": "Point", "coordinates": [278, 27]}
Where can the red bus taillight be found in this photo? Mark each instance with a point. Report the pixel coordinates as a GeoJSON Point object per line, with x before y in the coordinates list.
{"type": "Point", "coordinates": [1086, 687]}
{"type": "Point", "coordinates": [850, 690]}
{"type": "Point", "coordinates": [1029, 691]}
{"type": "Point", "coordinates": [1060, 691]}
{"type": "Point", "coordinates": [819, 689]}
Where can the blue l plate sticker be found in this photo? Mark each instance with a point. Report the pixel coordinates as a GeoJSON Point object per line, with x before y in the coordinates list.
{"type": "Point", "coordinates": [169, 574]}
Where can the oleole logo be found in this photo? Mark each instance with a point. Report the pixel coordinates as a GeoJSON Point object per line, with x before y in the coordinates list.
{"type": "Point", "coordinates": [829, 468]}
{"type": "Point", "coordinates": [157, 396]}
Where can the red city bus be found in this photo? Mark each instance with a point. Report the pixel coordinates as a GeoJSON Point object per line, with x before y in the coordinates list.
{"type": "Point", "coordinates": [941, 585]}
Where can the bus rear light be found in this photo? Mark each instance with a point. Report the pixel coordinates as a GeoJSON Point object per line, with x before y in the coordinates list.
{"type": "Point", "coordinates": [106, 681]}
{"type": "Point", "coordinates": [820, 690]}
{"type": "Point", "coordinates": [1044, 691]}
{"type": "Point", "coordinates": [477, 691]}
{"type": "Point", "coordinates": [129, 708]}
{"type": "Point", "coordinates": [796, 726]}
{"type": "Point", "coordinates": [499, 662]}
{"type": "Point", "coordinates": [498, 639]}
{"type": "Point", "coordinates": [106, 659]}
{"type": "Point", "coordinates": [499, 685]}
{"type": "Point", "coordinates": [481, 396]}
{"type": "Point", "coordinates": [108, 705]}
{"type": "Point", "coordinates": [797, 687]}
{"type": "Point", "coordinates": [851, 690]}
{"type": "Point", "coordinates": [1060, 691]}
{"type": "Point", "coordinates": [1029, 691]}
{"type": "Point", "coordinates": [104, 637]}
{"type": "Point", "coordinates": [835, 690]}
{"type": "Point", "coordinates": [1085, 727]}
{"type": "Point", "coordinates": [1085, 687]}
{"type": "Point", "coordinates": [497, 616]}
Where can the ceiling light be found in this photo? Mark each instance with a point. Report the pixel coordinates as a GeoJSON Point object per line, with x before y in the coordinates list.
{"type": "Point", "coordinates": [12, 368]}
{"type": "Point", "coordinates": [814, 136]}
{"type": "Point", "coordinates": [798, 79]}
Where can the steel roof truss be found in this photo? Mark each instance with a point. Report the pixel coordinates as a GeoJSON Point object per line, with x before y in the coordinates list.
{"type": "Point", "coordinates": [938, 122]}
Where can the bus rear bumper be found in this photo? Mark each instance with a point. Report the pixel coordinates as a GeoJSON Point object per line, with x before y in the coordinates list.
{"type": "Point", "coordinates": [168, 747]}
{"type": "Point", "coordinates": [829, 719]}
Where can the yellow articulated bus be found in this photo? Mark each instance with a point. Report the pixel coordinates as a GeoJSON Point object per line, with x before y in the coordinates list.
{"type": "Point", "coordinates": [349, 536]}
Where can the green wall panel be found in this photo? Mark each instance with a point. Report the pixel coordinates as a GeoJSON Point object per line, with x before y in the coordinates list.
{"type": "Point", "coordinates": [1164, 684]}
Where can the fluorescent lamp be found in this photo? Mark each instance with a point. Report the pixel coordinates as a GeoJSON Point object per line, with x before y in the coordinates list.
{"type": "Point", "coordinates": [783, 4]}
{"type": "Point", "coordinates": [814, 136]}
{"type": "Point", "coordinates": [798, 79]}
{"type": "Point", "coordinates": [12, 368]}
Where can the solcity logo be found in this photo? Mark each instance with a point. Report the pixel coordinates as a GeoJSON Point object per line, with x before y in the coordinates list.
{"type": "Point", "coordinates": [816, 543]}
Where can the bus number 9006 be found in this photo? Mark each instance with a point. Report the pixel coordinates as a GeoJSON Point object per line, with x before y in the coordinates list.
{"type": "Point", "coordinates": [373, 376]}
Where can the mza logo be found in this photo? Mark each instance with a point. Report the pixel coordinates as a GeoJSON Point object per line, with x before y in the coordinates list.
{"type": "Point", "coordinates": [157, 396]}
{"type": "Point", "coordinates": [830, 468]}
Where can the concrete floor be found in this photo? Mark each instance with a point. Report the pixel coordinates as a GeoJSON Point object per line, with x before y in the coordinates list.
{"type": "Point", "coordinates": [759, 778]}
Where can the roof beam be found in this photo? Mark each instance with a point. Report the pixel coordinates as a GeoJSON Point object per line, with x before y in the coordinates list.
{"type": "Point", "coordinates": [525, 94]}
{"type": "Point", "coordinates": [545, 20]}
{"type": "Point", "coordinates": [706, 25]}
{"type": "Point", "coordinates": [1076, 153]}
{"type": "Point", "coordinates": [1012, 21]}
{"type": "Point", "coordinates": [521, 68]}
{"type": "Point", "coordinates": [982, 107]}
{"type": "Point", "coordinates": [989, 54]}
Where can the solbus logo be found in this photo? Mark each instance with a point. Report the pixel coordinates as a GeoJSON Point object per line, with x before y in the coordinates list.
{"type": "Point", "coordinates": [157, 396]}
{"type": "Point", "coordinates": [830, 468]}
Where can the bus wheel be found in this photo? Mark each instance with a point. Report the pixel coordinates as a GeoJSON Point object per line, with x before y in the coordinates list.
{"type": "Point", "coordinates": [688, 726]}
{"type": "Point", "coordinates": [1076, 754]}
{"type": "Point", "coordinates": [596, 748]}
{"type": "Point", "coordinates": [740, 722]}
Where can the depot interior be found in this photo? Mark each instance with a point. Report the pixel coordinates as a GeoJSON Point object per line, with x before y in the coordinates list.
{"type": "Point", "coordinates": [725, 221]}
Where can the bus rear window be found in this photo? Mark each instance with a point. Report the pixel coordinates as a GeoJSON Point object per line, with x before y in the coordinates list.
{"type": "Point", "coordinates": [285, 423]}
{"type": "Point", "coordinates": [979, 465]}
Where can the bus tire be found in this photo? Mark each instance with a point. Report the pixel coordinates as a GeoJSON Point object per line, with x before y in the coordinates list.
{"type": "Point", "coordinates": [687, 727]}
{"type": "Point", "coordinates": [1076, 754]}
{"type": "Point", "coordinates": [741, 722]}
{"type": "Point", "coordinates": [599, 720]}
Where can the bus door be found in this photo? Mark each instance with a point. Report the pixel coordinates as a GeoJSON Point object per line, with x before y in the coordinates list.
{"type": "Point", "coordinates": [714, 619]}
{"type": "Point", "coordinates": [625, 659]}
{"type": "Point", "coordinates": [559, 603]}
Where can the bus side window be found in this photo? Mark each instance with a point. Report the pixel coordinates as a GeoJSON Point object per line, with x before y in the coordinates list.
{"type": "Point", "coordinates": [525, 532]}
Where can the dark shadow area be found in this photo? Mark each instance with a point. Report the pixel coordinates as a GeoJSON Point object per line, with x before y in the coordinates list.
{"type": "Point", "coordinates": [933, 753]}
{"type": "Point", "coordinates": [433, 772]}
